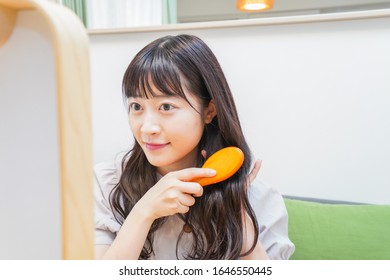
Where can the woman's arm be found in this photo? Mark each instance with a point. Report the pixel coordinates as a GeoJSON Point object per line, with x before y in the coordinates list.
{"type": "Point", "coordinates": [174, 193]}
{"type": "Point", "coordinates": [258, 253]}
{"type": "Point", "coordinates": [130, 239]}
{"type": "Point", "coordinates": [272, 217]}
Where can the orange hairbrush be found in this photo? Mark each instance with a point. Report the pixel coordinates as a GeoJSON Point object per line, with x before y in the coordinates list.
{"type": "Point", "coordinates": [226, 162]}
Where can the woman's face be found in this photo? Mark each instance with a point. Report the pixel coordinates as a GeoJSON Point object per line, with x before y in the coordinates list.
{"type": "Point", "coordinates": [168, 129]}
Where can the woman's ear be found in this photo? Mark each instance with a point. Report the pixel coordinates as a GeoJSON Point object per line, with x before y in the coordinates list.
{"type": "Point", "coordinates": [210, 112]}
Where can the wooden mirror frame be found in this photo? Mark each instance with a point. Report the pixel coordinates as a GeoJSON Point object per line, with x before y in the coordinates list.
{"type": "Point", "coordinates": [70, 44]}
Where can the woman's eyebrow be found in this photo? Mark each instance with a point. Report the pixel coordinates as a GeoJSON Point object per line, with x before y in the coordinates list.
{"type": "Point", "coordinates": [161, 96]}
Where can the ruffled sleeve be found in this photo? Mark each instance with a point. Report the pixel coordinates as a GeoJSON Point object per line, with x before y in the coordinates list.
{"type": "Point", "coordinates": [272, 218]}
{"type": "Point", "coordinates": [106, 226]}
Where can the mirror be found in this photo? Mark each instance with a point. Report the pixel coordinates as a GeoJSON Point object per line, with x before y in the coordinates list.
{"type": "Point", "coordinates": [106, 14]}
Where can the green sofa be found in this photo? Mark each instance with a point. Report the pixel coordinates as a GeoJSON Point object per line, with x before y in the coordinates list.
{"type": "Point", "coordinates": [332, 230]}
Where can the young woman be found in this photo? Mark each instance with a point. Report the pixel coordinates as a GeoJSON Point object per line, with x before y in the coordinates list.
{"type": "Point", "coordinates": [181, 110]}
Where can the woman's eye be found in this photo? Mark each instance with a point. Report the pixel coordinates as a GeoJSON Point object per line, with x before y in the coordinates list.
{"type": "Point", "coordinates": [166, 107]}
{"type": "Point", "coordinates": [135, 107]}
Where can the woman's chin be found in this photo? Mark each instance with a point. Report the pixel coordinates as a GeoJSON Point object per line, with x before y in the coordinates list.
{"type": "Point", "coordinates": [159, 163]}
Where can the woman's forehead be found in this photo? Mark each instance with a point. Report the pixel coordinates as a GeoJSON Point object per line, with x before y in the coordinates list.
{"type": "Point", "coordinates": [186, 95]}
{"type": "Point", "coordinates": [161, 86]}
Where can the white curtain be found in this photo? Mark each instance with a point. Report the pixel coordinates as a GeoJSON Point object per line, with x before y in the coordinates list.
{"type": "Point", "coordinates": [169, 11]}
{"type": "Point", "coordinates": [123, 13]}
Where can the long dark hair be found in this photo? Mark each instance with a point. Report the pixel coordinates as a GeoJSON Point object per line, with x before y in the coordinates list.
{"type": "Point", "coordinates": [216, 218]}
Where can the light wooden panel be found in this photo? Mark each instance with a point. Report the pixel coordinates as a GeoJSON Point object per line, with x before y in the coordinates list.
{"type": "Point", "coordinates": [7, 22]}
{"type": "Point", "coordinates": [71, 55]}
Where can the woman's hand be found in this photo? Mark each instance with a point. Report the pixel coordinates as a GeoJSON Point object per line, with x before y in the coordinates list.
{"type": "Point", "coordinates": [174, 193]}
{"type": "Point", "coordinates": [255, 170]}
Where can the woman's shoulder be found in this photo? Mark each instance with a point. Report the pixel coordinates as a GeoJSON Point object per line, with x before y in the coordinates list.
{"type": "Point", "coordinates": [267, 201]}
{"type": "Point", "coordinates": [261, 190]}
{"type": "Point", "coordinates": [268, 205]}
{"type": "Point", "coordinates": [107, 174]}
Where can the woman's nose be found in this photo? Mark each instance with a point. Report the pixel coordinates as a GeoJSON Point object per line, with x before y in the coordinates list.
{"type": "Point", "coordinates": [150, 125]}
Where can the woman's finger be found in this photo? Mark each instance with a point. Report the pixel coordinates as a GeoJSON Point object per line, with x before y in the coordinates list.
{"type": "Point", "coordinates": [189, 174]}
{"type": "Point", "coordinates": [186, 200]}
{"type": "Point", "coordinates": [183, 209]}
{"type": "Point", "coordinates": [191, 188]}
{"type": "Point", "coordinates": [255, 171]}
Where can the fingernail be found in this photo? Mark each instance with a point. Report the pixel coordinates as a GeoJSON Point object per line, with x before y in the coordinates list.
{"type": "Point", "coordinates": [212, 172]}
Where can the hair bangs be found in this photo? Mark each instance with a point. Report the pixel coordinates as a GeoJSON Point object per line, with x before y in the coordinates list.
{"type": "Point", "coordinates": [154, 75]}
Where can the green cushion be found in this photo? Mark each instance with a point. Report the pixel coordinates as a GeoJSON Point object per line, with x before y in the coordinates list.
{"type": "Point", "coordinates": [338, 231]}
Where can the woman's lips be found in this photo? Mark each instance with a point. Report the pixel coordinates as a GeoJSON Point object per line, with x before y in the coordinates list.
{"type": "Point", "coordinates": [153, 146]}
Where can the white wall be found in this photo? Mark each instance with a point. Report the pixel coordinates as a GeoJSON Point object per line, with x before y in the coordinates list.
{"type": "Point", "coordinates": [313, 98]}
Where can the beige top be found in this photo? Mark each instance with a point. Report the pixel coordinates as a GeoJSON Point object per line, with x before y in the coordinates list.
{"type": "Point", "coordinates": [267, 203]}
